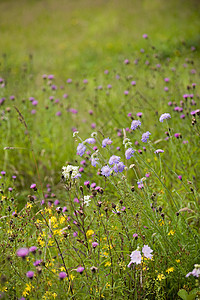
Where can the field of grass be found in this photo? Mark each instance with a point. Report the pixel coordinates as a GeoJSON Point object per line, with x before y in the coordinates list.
{"type": "Point", "coordinates": [99, 154]}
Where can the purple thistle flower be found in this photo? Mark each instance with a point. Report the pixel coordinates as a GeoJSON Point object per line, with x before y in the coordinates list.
{"type": "Point", "coordinates": [69, 80]}
{"type": "Point", "coordinates": [106, 171]}
{"type": "Point", "coordinates": [126, 93]}
{"type": "Point", "coordinates": [58, 113]}
{"type": "Point", "coordinates": [164, 116]}
{"type": "Point", "coordinates": [139, 114]}
{"type": "Point", "coordinates": [22, 252]}
{"type": "Point", "coordinates": [80, 269]}
{"type": "Point", "coordinates": [114, 159]}
{"type": "Point", "coordinates": [106, 142]}
{"type": "Point", "coordinates": [145, 136]}
{"type": "Point", "coordinates": [81, 149]}
{"type": "Point", "coordinates": [145, 36]}
{"type": "Point", "coordinates": [180, 177]}
{"type": "Point", "coordinates": [119, 167]}
{"type": "Point", "coordinates": [37, 262]}
{"type": "Point", "coordinates": [85, 81]}
{"type": "Point", "coordinates": [62, 275]}
{"type": "Point", "coordinates": [33, 111]}
{"type": "Point", "coordinates": [50, 77]}
{"type": "Point", "coordinates": [30, 274]}
{"type": "Point", "coordinates": [94, 244]}
{"type": "Point", "coordinates": [135, 235]}
{"type": "Point", "coordinates": [126, 61]}
{"type": "Point", "coordinates": [33, 186]}
{"type": "Point", "coordinates": [177, 135]}
{"type": "Point", "coordinates": [133, 83]}
{"type": "Point", "coordinates": [93, 185]}
{"type": "Point", "coordinates": [166, 89]}
{"type": "Point", "coordinates": [129, 153]}
{"type": "Point", "coordinates": [135, 124]}
{"type": "Point", "coordinates": [33, 249]}
{"type": "Point", "coordinates": [159, 151]}
{"type": "Point", "coordinates": [34, 102]}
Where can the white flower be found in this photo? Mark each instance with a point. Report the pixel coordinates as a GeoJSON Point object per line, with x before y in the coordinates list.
{"type": "Point", "coordinates": [70, 172]}
{"type": "Point", "coordinates": [86, 200]}
{"type": "Point", "coordinates": [75, 133]}
{"type": "Point", "coordinates": [93, 134]}
{"type": "Point", "coordinates": [135, 258]}
{"type": "Point", "coordinates": [146, 250]}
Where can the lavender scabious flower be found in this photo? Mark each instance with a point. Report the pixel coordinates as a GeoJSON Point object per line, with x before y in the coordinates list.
{"type": "Point", "coordinates": [90, 141]}
{"type": "Point", "coordinates": [94, 161]}
{"type": "Point", "coordinates": [164, 116]}
{"type": "Point", "coordinates": [135, 124]}
{"type": "Point", "coordinates": [145, 136]}
{"type": "Point", "coordinates": [106, 171]}
{"type": "Point", "coordinates": [118, 168]}
{"type": "Point", "coordinates": [159, 151]}
{"type": "Point", "coordinates": [135, 258]}
{"type": "Point", "coordinates": [114, 159]}
{"type": "Point", "coordinates": [195, 272]}
{"type": "Point", "coordinates": [146, 250]}
{"type": "Point", "coordinates": [22, 252]}
{"type": "Point", "coordinates": [81, 149]}
{"type": "Point", "coordinates": [106, 142]}
{"type": "Point", "coordinates": [129, 153]}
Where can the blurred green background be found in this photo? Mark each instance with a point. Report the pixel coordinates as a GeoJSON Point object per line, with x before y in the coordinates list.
{"type": "Point", "coordinates": [80, 37]}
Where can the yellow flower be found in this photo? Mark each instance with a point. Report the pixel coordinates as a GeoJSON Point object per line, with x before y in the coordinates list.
{"type": "Point", "coordinates": [178, 261]}
{"type": "Point", "coordinates": [107, 263]}
{"type": "Point", "coordinates": [54, 295]}
{"type": "Point", "coordinates": [160, 276]}
{"type": "Point", "coordinates": [170, 270]}
{"type": "Point", "coordinates": [29, 205]}
{"type": "Point", "coordinates": [62, 219]}
{"type": "Point", "coordinates": [171, 232]}
{"type": "Point", "coordinates": [89, 232]}
{"type": "Point", "coordinates": [27, 289]}
{"type": "Point", "coordinates": [161, 222]}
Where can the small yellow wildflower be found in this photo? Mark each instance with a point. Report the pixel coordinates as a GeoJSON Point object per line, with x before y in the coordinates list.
{"type": "Point", "coordinates": [29, 205]}
{"type": "Point", "coordinates": [27, 289]}
{"type": "Point", "coordinates": [62, 220]}
{"type": "Point", "coordinates": [161, 222]}
{"type": "Point", "coordinates": [171, 232]}
{"type": "Point", "coordinates": [170, 270]}
{"type": "Point", "coordinates": [178, 261]}
{"type": "Point", "coordinates": [108, 263]}
{"type": "Point", "coordinates": [89, 232]}
{"type": "Point", "coordinates": [160, 276]}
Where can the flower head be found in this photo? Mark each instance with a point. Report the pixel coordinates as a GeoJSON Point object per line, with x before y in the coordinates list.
{"type": "Point", "coordinates": [106, 171]}
{"type": "Point", "coordinates": [129, 153]}
{"type": "Point", "coordinates": [164, 116]}
{"type": "Point", "coordinates": [81, 149]}
{"type": "Point", "coordinates": [22, 252]}
{"type": "Point", "coordinates": [62, 275]}
{"type": "Point", "coordinates": [106, 142]}
{"type": "Point", "coordinates": [30, 274]}
{"type": "Point", "coordinates": [86, 200]}
{"type": "Point", "coordinates": [70, 172]}
{"type": "Point", "coordinates": [159, 151]}
{"type": "Point", "coordinates": [135, 258]}
{"type": "Point", "coordinates": [114, 159]}
{"type": "Point", "coordinates": [145, 136]}
{"type": "Point", "coordinates": [146, 250]}
{"type": "Point", "coordinates": [135, 124]}
{"type": "Point", "coordinates": [80, 269]}
{"type": "Point", "coordinates": [119, 167]}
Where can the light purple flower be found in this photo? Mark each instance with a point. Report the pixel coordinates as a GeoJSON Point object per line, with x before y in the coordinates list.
{"type": "Point", "coordinates": [135, 258]}
{"type": "Point", "coordinates": [119, 167]}
{"type": "Point", "coordinates": [114, 159]}
{"type": "Point", "coordinates": [90, 141]}
{"type": "Point", "coordinates": [33, 249]}
{"type": "Point", "coordinates": [133, 83]}
{"type": "Point", "coordinates": [94, 161]}
{"type": "Point", "coordinates": [106, 142]}
{"type": "Point", "coordinates": [159, 151]}
{"type": "Point", "coordinates": [81, 149]}
{"type": "Point", "coordinates": [135, 124]}
{"type": "Point", "coordinates": [146, 250]}
{"type": "Point", "coordinates": [195, 272]}
{"type": "Point", "coordinates": [106, 171]}
{"type": "Point", "coordinates": [145, 36]}
{"type": "Point", "coordinates": [33, 186]}
{"type": "Point", "coordinates": [145, 136]}
{"type": "Point", "coordinates": [94, 244]}
{"type": "Point", "coordinates": [129, 153]}
{"type": "Point", "coordinates": [164, 116]}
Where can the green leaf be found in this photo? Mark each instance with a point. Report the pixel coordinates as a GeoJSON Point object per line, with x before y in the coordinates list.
{"type": "Point", "coordinates": [184, 295]}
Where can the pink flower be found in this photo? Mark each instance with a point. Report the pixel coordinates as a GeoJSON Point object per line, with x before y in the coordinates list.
{"type": "Point", "coordinates": [135, 258]}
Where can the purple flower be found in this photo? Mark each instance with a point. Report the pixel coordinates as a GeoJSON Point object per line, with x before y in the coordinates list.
{"type": "Point", "coordinates": [33, 111]}
{"type": "Point", "coordinates": [129, 153]}
{"type": "Point", "coordinates": [119, 167]}
{"type": "Point", "coordinates": [146, 250]}
{"type": "Point", "coordinates": [93, 185]}
{"type": "Point", "coordinates": [94, 161]}
{"type": "Point", "coordinates": [126, 92]}
{"type": "Point", "coordinates": [195, 272]}
{"type": "Point", "coordinates": [85, 81]}
{"type": "Point", "coordinates": [62, 275]}
{"type": "Point", "coordinates": [166, 79]}
{"type": "Point", "coordinates": [106, 142]}
{"type": "Point", "coordinates": [166, 89]}
{"type": "Point", "coordinates": [90, 141]}
{"type": "Point", "coordinates": [80, 269]}
{"type": "Point", "coordinates": [65, 96]}
{"type": "Point", "coordinates": [22, 252]}
{"type": "Point", "coordinates": [145, 136]}
{"type": "Point", "coordinates": [180, 177]}
{"type": "Point", "coordinates": [81, 149]}
{"type": "Point", "coordinates": [37, 262]}
{"type": "Point", "coordinates": [135, 258]}
{"type": "Point", "coordinates": [135, 124]}
{"type": "Point", "coordinates": [109, 86]}
{"type": "Point", "coordinates": [51, 77]}
{"type": "Point", "coordinates": [69, 80]}
{"type": "Point", "coordinates": [177, 135]}
{"type": "Point", "coordinates": [135, 235]}
{"type": "Point", "coordinates": [30, 274]}
{"type": "Point", "coordinates": [58, 113]}
{"type": "Point", "coordinates": [33, 186]}
{"type": "Point", "coordinates": [145, 36]}
{"type": "Point", "coordinates": [106, 171]}
{"type": "Point", "coordinates": [3, 173]}
{"type": "Point", "coordinates": [33, 249]}
{"type": "Point", "coordinates": [159, 151]}
{"type": "Point", "coordinates": [114, 159]}
{"type": "Point", "coordinates": [34, 102]}
{"type": "Point", "coordinates": [94, 244]}
{"type": "Point", "coordinates": [126, 61]}
{"type": "Point", "coordinates": [139, 114]}
{"type": "Point", "coordinates": [164, 116]}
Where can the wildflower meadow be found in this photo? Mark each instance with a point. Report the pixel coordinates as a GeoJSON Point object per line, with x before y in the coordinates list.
{"type": "Point", "coordinates": [99, 176]}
